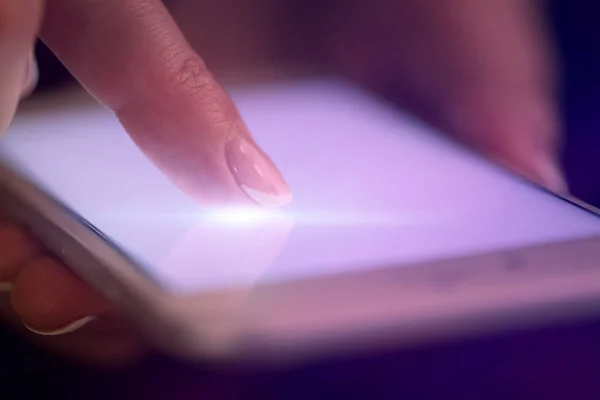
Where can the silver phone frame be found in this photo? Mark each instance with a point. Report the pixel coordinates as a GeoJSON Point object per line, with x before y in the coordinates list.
{"type": "Point", "coordinates": [313, 317]}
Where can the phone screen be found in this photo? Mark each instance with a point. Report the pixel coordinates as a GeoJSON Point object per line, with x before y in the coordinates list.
{"type": "Point", "coordinates": [372, 188]}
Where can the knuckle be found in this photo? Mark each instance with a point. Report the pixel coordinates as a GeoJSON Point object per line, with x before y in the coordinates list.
{"type": "Point", "coordinates": [190, 78]}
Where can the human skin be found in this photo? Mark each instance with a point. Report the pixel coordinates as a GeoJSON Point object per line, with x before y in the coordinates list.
{"type": "Point", "coordinates": [483, 71]}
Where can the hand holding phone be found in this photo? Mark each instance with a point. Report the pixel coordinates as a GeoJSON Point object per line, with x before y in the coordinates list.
{"type": "Point", "coordinates": [21, 250]}
{"type": "Point", "coordinates": [418, 236]}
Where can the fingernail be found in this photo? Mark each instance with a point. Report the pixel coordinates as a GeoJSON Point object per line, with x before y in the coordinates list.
{"type": "Point", "coordinates": [72, 327]}
{"type": "Point", "coordinates": [256, 174]}
{"type": "Point", "coordinates": [5, 287]}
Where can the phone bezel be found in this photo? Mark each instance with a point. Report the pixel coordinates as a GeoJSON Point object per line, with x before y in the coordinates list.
{"type": "Point", "coordinates": [294, 320]}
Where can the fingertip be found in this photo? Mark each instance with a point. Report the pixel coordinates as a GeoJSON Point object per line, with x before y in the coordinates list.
{"type": "Point", "coordinates": [48, 297]}
{"type": "Point", "coordinates": [255, 173]}
{"type": "Point", "coordinates": [16, 250]}
{"type": "Point", "coordinates": [107, 341]}
{"type": "Point", "coordinates": [517, 128]}
{"type": "Point", "coordinates": [550, 174]}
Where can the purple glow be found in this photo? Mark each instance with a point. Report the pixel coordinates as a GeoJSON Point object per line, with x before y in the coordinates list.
{"type": "Point", "coordinates": [372, 187]}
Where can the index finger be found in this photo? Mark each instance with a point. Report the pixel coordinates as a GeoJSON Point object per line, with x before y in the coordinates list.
{"type": "Point", "coordinates": [131, 55]}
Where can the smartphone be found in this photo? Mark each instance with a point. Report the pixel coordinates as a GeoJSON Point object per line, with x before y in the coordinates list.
{"type": "Point", "coordinates": [396, 235]}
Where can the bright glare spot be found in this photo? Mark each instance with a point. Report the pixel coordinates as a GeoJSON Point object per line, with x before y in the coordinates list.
{"type": "Point", "coordinates": [241, 216]}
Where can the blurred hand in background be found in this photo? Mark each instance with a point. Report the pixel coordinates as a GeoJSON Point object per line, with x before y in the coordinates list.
{"type": "Point", "coordinates": [483, 71]}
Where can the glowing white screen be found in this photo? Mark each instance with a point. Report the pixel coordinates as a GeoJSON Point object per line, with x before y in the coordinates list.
{"type": "Point", "coordinates": [372, 188]}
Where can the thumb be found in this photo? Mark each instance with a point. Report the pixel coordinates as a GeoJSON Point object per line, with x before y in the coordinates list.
{"type": "Point", "coordinates": [517, 128]}
{"type": "Point", "coordinates": [505, 104]}
{"type": "Point", "coordinates": [482, 70]}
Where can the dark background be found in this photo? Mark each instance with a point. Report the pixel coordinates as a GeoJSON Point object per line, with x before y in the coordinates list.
{"type": "Point", "coordinates": [555, 362]}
